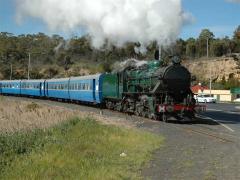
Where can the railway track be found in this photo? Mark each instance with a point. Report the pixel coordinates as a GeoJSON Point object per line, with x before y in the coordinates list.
{"type": "Point", "coordinates": [193, 127]}
{"type": "Point", "coordinates": [209, 134]}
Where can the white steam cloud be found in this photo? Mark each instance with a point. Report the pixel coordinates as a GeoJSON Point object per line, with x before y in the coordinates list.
{"type": "Point", "coordinates": [119, 21]}
{"type": "Point", "coordinates": [233, 1]}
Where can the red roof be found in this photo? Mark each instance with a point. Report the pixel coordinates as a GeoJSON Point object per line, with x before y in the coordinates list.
{"type": "Point", "coordinates": [196, 88]}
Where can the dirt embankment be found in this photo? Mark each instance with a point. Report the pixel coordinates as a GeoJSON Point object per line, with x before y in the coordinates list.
{"type": "Point", "coordinates": [220, 68]}
{"type": "Point", "coordinates": [20, 115]}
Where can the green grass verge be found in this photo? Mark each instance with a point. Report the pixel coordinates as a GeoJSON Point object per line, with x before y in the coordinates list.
{"type": "Point", "coordinates": [79, 149]}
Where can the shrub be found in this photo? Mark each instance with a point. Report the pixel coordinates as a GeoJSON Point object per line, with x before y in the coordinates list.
{"type": "Point", "coordinates": [32, 107]}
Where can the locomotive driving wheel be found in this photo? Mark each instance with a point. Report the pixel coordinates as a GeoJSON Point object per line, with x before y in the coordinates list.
{"type": "Point", "coordinates": [138, 109]}
{"type": "Point", "coordinates": [153, 116]}
{"type": "Point", "coordinates": [164, 118]}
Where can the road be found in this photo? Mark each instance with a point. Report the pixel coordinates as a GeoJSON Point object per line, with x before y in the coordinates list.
{"type": "Point", "coordinates": [208, 148]}
{"type": "Point", "coordinates": [228, 115]}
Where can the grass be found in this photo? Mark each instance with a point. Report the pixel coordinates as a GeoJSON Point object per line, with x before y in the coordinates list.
{"type": "Point", "coordinates": [78, 149]}
{"type": "Point", "coordinates": [25, 116]}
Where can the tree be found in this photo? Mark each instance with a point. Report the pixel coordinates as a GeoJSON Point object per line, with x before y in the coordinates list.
{"type": "Point", "coordinates": [180, 48]}
{"type": "Point", "coordinates": [191, 48]}
{"type": "Point", "coordinates": [237, 33]}
{"type": "Point", "coordinates": [236, 39]}
{"type": "Point", "coordinates": [219, 47]}
{"type": "Point", "coordinates": [206, 36]}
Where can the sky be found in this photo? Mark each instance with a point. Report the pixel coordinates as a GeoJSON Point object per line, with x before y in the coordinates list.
{"type": "Point", "coordinates": [220, 16]}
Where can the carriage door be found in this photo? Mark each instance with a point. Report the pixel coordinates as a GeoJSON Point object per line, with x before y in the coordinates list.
{"type": "Point", "coordinates": [0, 88]}
{"type": "Point", "coordinates": [46, 88]}
{"type": "Point", "coordinates": [94, 90]}
{"type": "Point", "coordinates": [40, 88]}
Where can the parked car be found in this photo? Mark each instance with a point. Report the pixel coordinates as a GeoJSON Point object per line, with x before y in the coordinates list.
{"type": "Point", "coordinates": [236, 100]}
{"type": "Point", "coordinates": [206, 98]}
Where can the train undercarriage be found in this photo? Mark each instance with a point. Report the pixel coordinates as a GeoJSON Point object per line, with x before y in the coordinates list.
{"type": "Point", "coordinates": [155, 108]}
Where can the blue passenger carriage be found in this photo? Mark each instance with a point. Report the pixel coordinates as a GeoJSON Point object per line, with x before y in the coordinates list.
{"type": "Point", "coordinates": [86, 88]}
{"type": "Point", "coordinates": [57, 88]}
{"type": "Point", "coordinates": [10, 87]}
{"type": "Point", "coordinates": [33, 88]}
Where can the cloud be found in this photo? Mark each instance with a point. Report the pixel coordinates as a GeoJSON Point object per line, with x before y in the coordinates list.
{"type": "Point", "coordinates": [233, 1]}
{"type": "Point", "coordinates": [119, 21]}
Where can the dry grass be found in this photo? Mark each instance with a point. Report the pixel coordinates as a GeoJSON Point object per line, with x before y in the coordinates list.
{"type": "Point", "coordinates": [18, 116]}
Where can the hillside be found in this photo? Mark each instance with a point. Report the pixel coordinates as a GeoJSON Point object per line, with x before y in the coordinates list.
{"type": "Point", "coordinates": [222, 68]}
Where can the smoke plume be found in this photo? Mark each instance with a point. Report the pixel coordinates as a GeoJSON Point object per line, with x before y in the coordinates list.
{"type": "Point", "coordinates": [119, 21]}
{"type": "Point", "coordinates": [129, 63]}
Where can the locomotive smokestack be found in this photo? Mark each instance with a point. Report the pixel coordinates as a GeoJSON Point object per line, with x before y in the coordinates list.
{"type": "Point", "coordinates": [158, 54]}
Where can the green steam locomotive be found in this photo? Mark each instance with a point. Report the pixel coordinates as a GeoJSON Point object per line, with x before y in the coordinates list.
{"type": "Point", "coordinates": [152, 90]}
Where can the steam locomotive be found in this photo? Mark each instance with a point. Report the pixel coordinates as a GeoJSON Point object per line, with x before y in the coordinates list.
{"type": "Point", "coordinates": [150, 90]}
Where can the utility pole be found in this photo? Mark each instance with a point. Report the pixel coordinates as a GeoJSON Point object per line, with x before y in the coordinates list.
{"type": "Point", "coordinates": [210, 83]}
{"type": "Point", "coordinates": [29, 63]}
